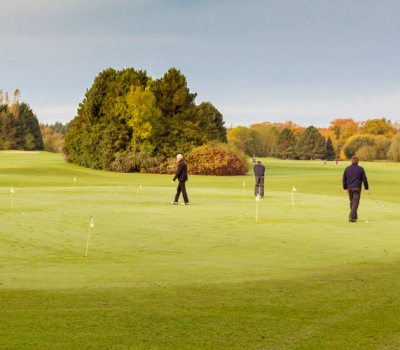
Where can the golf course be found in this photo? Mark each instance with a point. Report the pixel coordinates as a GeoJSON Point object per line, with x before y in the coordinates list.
{"type": "Point", "coordinates": [203, 276]}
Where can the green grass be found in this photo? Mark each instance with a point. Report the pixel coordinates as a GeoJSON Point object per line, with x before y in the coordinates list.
{"type": "Point", "coordinates": [205, 276]}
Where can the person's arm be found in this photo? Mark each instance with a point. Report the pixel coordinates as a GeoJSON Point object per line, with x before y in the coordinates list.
{"type": "Point", "coordinates": [345, 182]}
{"type": "Point", "coordinates": [254, 169]}
{"type": "Point", "coordinates": [178, 172]}
{"type": "Point", "coordinates": [263, 171]}
{"type": "Point", "coordinates": [365, 181]}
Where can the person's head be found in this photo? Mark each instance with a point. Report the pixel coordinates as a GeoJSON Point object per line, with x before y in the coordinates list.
{"type": "Point", "coordinates": [179, 157]}
{"type": "Point", "coordinates": [354, 160]}
{"type": "Point", "coordinates": [258, 161]}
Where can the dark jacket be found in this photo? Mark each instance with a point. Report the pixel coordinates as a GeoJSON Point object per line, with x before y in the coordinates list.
{"type": "Point", "coordinates": [354, 176]}
{"type": "Point", "coordinates": [181, 172]}
{"type": "Point", "coordinates": [259, 170]}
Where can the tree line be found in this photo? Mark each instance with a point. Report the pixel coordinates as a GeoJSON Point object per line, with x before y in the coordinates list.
{"type": "Point", "coordinates": [19, 126]}
{"type": "Point", "coordinates": [53, 136]}
{"type": "Point", "coordinates": [374, 139]}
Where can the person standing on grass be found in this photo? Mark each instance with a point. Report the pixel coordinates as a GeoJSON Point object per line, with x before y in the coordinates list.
{"type": "Point", "coordinates": [336, 161]}
{"type": "Point", "coordinates": [259, 172]}
{"type": "Point", "coordinates": [182, 176]}
{"type": "Point", "coordinates": [353, 177]}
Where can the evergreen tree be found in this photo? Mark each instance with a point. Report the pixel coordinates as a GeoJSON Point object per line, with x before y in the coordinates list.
{"type": "Point", "coordinates": [284, 146]}
{"type": "Point", "coordinates": [19, 127]}
{"type": "Point", "coordinates": [311, 144]}
{"type": "Point", "coordinates": [330, 151]}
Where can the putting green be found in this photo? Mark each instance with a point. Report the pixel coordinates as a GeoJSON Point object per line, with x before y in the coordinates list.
{"type": "Point", "coordinates": [213, 246]}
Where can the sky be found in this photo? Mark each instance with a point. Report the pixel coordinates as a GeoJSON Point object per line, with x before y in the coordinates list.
{"type": "Point", "coordinates": [307, 61]}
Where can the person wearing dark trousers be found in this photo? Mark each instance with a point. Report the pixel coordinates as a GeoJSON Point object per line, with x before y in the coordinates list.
{"type": "Point", "coordinates": [182, 176]}
{"type": "Point", "coordinates": [353, 178]}
{"type": "Point", "coordinates": [259, 172]}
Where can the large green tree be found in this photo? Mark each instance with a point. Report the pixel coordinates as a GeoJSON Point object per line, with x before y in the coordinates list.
{"type": "Point", "coordinates": [127, 112]}
{"type": "Point", "coordinates": [19, 127]}
{"type": "Point", "coordinates": [284, 146]}
{"type": "Point", "coordinates": [264, 137]}
{"type": "Point", "coordinates": [311, 144]}
{"type": "Point", "coordinates": [330, 150]}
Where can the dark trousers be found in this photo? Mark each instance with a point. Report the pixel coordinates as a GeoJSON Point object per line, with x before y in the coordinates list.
{"type": "Point", "coordinates": [259, 183]}
{"type": "Point", "coordinates": [354, 195]}
{"type": "Point", "coordinates": [181, 188]}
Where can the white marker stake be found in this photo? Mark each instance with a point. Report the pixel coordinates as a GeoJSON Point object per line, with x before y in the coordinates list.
{"type": "Point", "coordinates": [91, 225]}
{"type": "Point", "coordinates": [137, 194]}
{"type": "Point", "coordinates": [293, 189]}
{"type": "Point", "coordinates": [257, 200]}
{"type": "Point", "coordinates": [12, 199]}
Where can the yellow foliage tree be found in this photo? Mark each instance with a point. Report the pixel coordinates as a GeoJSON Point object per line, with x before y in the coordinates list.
{"type": "Point", "coordinates": [141, 111]}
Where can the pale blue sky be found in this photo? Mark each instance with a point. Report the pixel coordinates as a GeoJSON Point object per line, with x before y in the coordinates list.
{"type": "Point", "coordinates": [309, 61]}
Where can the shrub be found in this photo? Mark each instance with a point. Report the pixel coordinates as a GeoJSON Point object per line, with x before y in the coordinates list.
{"type": "Point", "coordinates": [129, 161]}
{"type": "Point", "coordinates": [164, 166]}
{"type": "Point", "coordinates": [366, 153]}
{"type": "Point", "coordinates": [351, 147]}
{"type": "Point", "coordinates": [394, 151]}
{"type": "Point", "coordinates": [216, 159]}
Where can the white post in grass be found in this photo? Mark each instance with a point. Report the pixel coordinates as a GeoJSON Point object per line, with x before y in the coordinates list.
{"type": "Point", "coordinates": [12, 199]}
{"type": "Point", "coordinates": [257, 200]}
{"type": "Point", "coordinates": [137, 194]}
{"type": "Point", "coordinates": [91, 225]}
{"type": "Point", "coordinates": [293, 190]}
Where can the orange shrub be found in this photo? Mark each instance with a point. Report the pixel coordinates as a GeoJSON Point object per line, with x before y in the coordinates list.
{"type": "Point", "coordinates": [216, 159]}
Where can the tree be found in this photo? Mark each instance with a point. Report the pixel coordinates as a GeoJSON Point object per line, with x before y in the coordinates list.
{"type": "Point", "coordinates": [284, 146]}
{"type": "Point", "coordinates": [19, 127]}
{"type": "Point", "coordinates": [296, 128]}
{"type": "Point", "coordinates": [58, 127]}
{"type": "Point", "coordinates": [394, 151]}
{"type": "Point", "coordinates": [29, 144]}
{"type": "Point", "coordinates": [330, 151]}
{"type": "Point", "coordinates": [366, 153]}
{"type": "Point", "coordinates": [382, 146]}
{"type": "Point", "coordinates": [377, 126]}
{"type": "Point", "coordinates": [126, 112]}
{"type": "Point", "coordinates": [344, 128]}
{"type": "Point", "coordinates": [354, 144]}
{"type": "Point", "coordinates": [52, 140]}
{"type": "Point", "coordinates": [264, 137]}
{"type": "Point", "coordinates": [211, 122]}
{"type": "Point", "coordinates": [311, 144]}
{"type": "Point", "coordinates": [142, 114]}
{"type": "Point", "coordinates": [246, 136]}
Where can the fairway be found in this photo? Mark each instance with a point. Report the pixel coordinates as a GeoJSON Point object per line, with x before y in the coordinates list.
{"type": "Point", "coordinates": [203, 276]}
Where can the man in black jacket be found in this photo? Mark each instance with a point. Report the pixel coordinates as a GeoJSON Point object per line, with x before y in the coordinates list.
{"type": "Point", "coordinates": [182, 176]}
{"type": "Point", "coordinates": [353, 178]}
{"type": "Point", "coordinates": [259, 172]}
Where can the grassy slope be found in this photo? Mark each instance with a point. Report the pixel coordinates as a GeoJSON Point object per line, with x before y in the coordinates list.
{"type": "Point", "coordinates": [203, 276]}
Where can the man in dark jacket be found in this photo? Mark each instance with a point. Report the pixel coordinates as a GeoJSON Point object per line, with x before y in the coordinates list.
{"type": "Point", "coordinates": [259, 171]}
{"type": "Point", "coordinates": [182, 176]}
{"type": "Point", "coordinates": [353, 178]}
